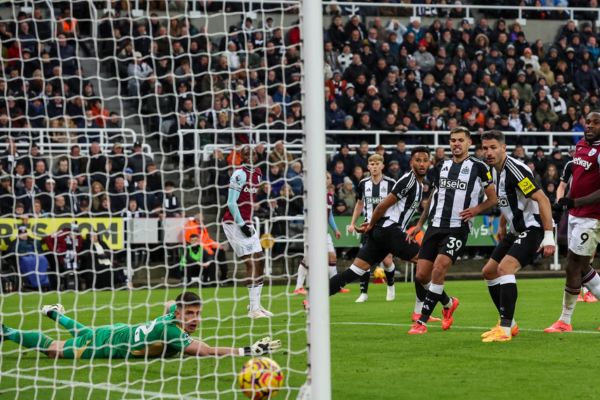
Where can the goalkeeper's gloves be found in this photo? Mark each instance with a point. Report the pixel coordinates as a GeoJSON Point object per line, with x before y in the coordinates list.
{"type": "Point", "coordinates": [566, 202]}
{"type": "Point", "coordinates": [247, 230]}
{"type": "Point", "coordinates": [262, 347]}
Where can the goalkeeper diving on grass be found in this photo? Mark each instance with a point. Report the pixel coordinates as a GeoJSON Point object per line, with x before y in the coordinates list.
{"type": "Point", "coordinates": [164, 336]}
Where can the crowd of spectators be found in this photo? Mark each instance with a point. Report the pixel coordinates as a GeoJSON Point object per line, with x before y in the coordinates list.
{"type": "Point", "coordinates": [42, 84]}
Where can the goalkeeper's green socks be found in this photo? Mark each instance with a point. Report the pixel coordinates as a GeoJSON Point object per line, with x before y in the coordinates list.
{"type": "Point", "coordinates": [30, 339]}
{"type": "Point", "coordinates": [69, 324]}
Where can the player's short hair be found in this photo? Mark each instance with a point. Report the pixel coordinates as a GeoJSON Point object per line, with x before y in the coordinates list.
{"type": "Point", "coordinates": [188, 299]}
{"type": "Point", "coordinates": [376, 157]}
{"type": "Point", "coordinates": [461, 129]}
{"type": "Point", "coordinates": [419, 149]}
{"type": "Point", "coordinates": [494, 134]}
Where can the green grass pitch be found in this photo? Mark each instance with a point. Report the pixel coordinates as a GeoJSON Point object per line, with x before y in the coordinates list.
{"type": "Point", "coordinates": [372, 356]}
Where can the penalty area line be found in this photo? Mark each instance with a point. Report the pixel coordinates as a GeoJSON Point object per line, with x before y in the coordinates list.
{"type": "Point", "coordinates": [98, 386]}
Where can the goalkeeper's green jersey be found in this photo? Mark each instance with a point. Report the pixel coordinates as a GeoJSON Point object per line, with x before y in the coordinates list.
{"type": "Point", "coordinates": [161, 337]}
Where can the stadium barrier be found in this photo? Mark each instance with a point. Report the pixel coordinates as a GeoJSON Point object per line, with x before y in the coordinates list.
{"type": "Point", "coordinates": [202, 152]}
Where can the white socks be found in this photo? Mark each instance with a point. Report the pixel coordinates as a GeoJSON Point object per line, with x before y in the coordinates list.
{"type": "Point", "coordinates": [332, 270]}
{"type": "Point", "coordinates": [391, 268]}
{"type": "Point", "coordinates": [493, 282]}
{"type": "Point", "coordinates": [437, 289]}
{"type": "Point", "coordinates": [358, 271]}
{"type": "Point", "coordinates": [569, 302]}
{"type": "Point", "coordinates": [593, 285]}
{"type": "Point", "coordinates": [302, 272]}
{"type": "Point", "coordinates": [254, 295]}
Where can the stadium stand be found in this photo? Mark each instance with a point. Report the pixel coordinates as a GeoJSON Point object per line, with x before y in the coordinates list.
{"type": "Point", "coordinates": [96, 105]}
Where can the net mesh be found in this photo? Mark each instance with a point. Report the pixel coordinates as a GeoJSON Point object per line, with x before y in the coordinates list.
{"type": "Point", "coordinates": [120, 126]}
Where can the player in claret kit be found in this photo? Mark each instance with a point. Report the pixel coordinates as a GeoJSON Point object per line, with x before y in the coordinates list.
{"type": "Point", "coordinates": [527, 212]}
{"type": "Point", "coordinates": [583, 203]}
{"type": "Point", "coordinates": [237, 225]}
{"type": "Point", "coordinates": [165, 336]}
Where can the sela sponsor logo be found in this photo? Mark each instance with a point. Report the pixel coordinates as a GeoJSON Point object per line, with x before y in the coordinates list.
{"type": "Point", "coordinates": [373, 200]}
{"type": "Point", "coordinates": [452, 184]}
{"type": "Point", "coordinates": [502, 202]}
{"type": "Point", "coordinates": [415, 205]}
{"type": "Point", "coordinates": [582, 163]}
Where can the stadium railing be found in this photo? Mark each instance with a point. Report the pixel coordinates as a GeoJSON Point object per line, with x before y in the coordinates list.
{"type": "Point", "coordinates": [41, 137]}
{"type": "Point", "coordinates": [468, 8]}
{"type": "Point", "coordinates": [203, 152]}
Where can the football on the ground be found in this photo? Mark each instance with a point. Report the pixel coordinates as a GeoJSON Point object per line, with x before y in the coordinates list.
{"type": "Point", "coordinates": [260, 378]}
{"type": "Point", "coordinates": [379, 273]}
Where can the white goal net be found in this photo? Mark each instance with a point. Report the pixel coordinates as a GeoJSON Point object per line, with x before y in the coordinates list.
{"type": "Point", "coordinates": [121, 125]}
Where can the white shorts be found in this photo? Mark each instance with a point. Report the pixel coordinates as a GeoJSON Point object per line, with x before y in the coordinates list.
{"type": "Point", "coordinates": [330, 248]}
{"type": "Point", "coordinates": [584, 235]}
{"type": "Point", "coordinates": [240, 243]}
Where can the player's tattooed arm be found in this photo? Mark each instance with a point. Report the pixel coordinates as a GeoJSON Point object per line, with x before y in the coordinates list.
{"type": "Point", "coordinates": [379, 212]}
{"type": "Point", "coordinates": [422, 219]}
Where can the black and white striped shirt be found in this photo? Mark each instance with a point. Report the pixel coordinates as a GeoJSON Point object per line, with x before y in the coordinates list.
{"type": "Point", "coordinates": [409, 192]}
{"type": "Point", "coordinates": [514, 185]}
{"type": "Point", "coordinates": [457, 186]}
{"type": "Point", "coordinates": [372, 193]}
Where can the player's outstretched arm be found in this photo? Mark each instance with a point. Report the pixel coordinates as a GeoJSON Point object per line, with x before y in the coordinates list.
{"type": "Point", "coordinates": [261, 347]}
{"type": "Point", "coordinates": [592, 198]}
{"type": "Point", "coordinates": [379, 212]}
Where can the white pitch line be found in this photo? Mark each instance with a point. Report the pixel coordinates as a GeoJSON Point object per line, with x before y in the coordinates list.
{"type": "Point", "coordinates": [456, 327]}
{"type": "Point", "coordinates": [99, 386]}
{"type": "Point", "coordinates": [399, 325]}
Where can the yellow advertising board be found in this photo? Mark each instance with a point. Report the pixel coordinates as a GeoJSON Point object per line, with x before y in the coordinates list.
{"type": "Point", "coordinates": [109, 229]}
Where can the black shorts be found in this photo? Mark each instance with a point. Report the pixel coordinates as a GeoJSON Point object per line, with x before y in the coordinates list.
{"type": "Point", "coordinates": [363, 240]}
{"type": "Point", "coordinates": [382, 241]}
{"type": "Point", "coordinates": [447, 241]}
{"type": "Point", "coordinates": [524, 246]}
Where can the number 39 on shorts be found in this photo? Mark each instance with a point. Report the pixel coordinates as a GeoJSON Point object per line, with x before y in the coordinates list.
{"type": "Point", "coordinates": [454, 243]}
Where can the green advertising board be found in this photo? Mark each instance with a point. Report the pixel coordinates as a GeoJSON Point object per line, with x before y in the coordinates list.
{"type": "Point", "coordinates": [483, 232]}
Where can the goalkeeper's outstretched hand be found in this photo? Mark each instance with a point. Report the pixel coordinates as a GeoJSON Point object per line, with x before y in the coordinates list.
{"type": "Point", "coordinates": [263, 346]}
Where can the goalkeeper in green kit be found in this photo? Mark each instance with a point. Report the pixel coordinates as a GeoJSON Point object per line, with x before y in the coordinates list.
{"type": "Point", "coordinates": [164, 336]}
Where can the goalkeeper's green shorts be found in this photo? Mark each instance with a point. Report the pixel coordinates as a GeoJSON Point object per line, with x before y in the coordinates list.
{"type": "Point", "coordinates": [79, 346]}
{"type": "Point", "coordinates": [94, 343]}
